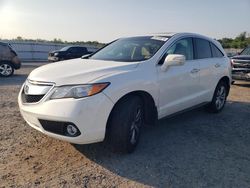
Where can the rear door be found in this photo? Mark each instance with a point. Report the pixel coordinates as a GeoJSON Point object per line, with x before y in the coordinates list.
{"type": "Point", "coordinates": [209, 58]}
{"type": "Point", "coordinates": [82, 51]}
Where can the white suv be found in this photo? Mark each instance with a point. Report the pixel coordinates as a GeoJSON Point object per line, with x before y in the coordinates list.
{"type": "Point", "coordinates": [127, 84]}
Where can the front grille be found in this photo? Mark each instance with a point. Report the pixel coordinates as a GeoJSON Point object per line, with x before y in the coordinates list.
{"type": "Point", "coordinates": [241, 65]}
{"type": "Point", "coordinates": [31, 98]}
{"type": "Point", "coordinates": [34, 91]}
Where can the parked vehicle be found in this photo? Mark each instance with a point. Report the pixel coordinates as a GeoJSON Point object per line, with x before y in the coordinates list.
{"type": "Point", "coordinates": [231, 54]}
{"type": "Point", "coordinates": [134, 81]}
{"type": "Point", "coordinates": [68, 52]}
{"type": "Point", "coordinates": [8, 60]}
{"type": "Point", "coordinates": [241, 65]}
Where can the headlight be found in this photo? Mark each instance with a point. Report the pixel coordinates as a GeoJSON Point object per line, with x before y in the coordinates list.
{"type": "Point", "coordinates": [78, 91]}
{"type": "Point", "coordinates": [56, 54]}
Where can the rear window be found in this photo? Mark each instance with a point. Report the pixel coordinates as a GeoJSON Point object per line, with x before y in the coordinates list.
{"type": "Point", "coordinates": [202, 49]}
{"type": "Point", "coordinates": [215, 51]}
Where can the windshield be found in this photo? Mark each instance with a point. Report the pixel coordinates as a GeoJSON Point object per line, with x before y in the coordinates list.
{"type": "Point", "coordinates": [130, 49]}
{"type": "Point", "coordinates": [246, 51]}
{"type": "Point", "coordinates": [65, 48]}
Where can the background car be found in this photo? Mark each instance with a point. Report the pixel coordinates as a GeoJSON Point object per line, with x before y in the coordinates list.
{"type": "Point", "coordinates": [8, 60]}
{"type": "Point", "coordinates": [241, 65]}
{"type": "Point", "coordinates": [68, 52]}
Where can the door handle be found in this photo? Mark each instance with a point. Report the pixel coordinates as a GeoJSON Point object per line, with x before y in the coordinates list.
{"type": "Point", "coordinates": [195, 71]}
{"type": "Point", "coordinates": [217, 65]}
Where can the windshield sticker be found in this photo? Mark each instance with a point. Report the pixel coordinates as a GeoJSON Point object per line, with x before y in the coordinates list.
{"type": "Point", "coordinates": [161, 38]}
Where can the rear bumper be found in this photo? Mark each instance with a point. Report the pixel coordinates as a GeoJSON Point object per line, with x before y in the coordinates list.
{"type": "Point", "coordinates": [17, 66]}
{"type": "Point", "coordinates": [16, 62]}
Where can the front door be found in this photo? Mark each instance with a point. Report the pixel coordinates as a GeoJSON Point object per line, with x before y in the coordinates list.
{"type": "Point", "coordinates": [179, 85]}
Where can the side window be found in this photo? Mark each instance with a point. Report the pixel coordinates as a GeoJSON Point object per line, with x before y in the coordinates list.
{"type": "Point", "coordinates": [215, 51]}
{"type": "Point", "coordinates": [74, 49]}
{"type": "Point", "coordinates": [82, 50]}
{"type": "Point", "coordinates": [202, 49]}
{"type": "Point", "coordinates": [70, 50]}
{"type": "Point", "coordinates": [183, 47]}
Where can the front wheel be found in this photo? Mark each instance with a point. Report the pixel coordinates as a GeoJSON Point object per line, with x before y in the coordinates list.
{"type": "Point", "coordinates": [125, 124]}
{"type": "Point", "coordinates": [6, 69]}
{"type": "Point", "coordinates": [219, 98]}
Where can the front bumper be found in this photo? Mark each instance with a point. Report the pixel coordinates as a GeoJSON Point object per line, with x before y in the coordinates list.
{"type": "Point", "coordinates": [241, 74]}
{"type": "Point", "coordinates": [89, 114]}
{"type": "Point", "coordinates": [53, 59]}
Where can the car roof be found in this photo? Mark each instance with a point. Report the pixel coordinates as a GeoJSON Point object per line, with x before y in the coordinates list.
{"type": "Point", "coordinates": [75, 46]}
{"type": "Point", "coordinates": [165, 34]}
{"type": "Point", "coordinates": [172, 34]}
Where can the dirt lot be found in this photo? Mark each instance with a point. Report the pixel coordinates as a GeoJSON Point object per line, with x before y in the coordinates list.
{"type": "Point", "coordinates": [194, 149]}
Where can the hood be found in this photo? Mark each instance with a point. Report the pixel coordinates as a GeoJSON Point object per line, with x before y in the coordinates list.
{"type": "Point", "coordinates": [54, 51]}
{"type": "Point", "coordinates": [58, 51]}
{"type": "Point", "coordinates": [79, 71]}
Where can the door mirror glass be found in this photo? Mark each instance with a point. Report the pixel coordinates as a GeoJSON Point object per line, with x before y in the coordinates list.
{"type": "Point", "coordinates": [173, 60]}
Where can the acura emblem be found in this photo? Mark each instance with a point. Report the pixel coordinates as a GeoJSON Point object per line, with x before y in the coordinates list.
{"type": "Point", "coordinates": [26, 89]}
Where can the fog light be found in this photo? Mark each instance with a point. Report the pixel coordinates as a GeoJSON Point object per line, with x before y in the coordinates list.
{"type": "Point", "coordinates": [72, 130]}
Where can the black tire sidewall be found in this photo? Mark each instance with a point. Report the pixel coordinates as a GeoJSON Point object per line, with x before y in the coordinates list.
{"type": "Point", "coordinates": [120, 124]}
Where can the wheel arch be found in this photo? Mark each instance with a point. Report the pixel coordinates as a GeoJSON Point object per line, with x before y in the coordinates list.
{"type": "Point", "coordinates": [227, 81]}
{"type": "Point", "coordinates": [150, 109]}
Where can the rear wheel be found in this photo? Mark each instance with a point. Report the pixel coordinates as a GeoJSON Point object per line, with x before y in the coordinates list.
{"type": "Point", "coordinates": [125, 124]}
{"type": "Point", "coordinates": [219, 98]}
{"type": "Point", "coordinates": [6, 69]}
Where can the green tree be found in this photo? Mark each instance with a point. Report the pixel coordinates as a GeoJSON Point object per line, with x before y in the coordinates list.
{"type": "Point", "coordinates": [242, 36]}
{"type": "Point", "coordinates": [19, 38]}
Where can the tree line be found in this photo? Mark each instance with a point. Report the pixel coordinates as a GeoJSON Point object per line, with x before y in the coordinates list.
{"type": "Point", "coordinates": [239, 42]}
{"type": "Point", "coordinates": [60, 41]}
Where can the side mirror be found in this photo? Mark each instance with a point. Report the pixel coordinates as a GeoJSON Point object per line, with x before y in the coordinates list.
{"type": "Point", "coordinates": [173, 60]}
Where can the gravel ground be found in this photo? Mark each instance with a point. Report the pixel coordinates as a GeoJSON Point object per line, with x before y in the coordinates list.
{"type": "Point", "coordinates": [194, 149]}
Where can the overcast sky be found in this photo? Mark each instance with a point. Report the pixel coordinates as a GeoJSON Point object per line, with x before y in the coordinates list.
{"type": "Point", "coordinates": [105, 20]}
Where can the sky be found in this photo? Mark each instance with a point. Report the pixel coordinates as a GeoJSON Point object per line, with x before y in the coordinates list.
{"type": "Point", "coordinates": [106, 20]}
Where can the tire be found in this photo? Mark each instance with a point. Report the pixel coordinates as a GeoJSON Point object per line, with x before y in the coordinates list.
{"type": "Point", "coordinates": [125, 124]}
{"type": "Point", "coordinates": [219, 98]}
{"type": "Point", "coordinates": [6, 69]}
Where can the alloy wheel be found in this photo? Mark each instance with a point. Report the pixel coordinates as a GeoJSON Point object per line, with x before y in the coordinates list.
{"type": "Point", "coordinates": [5, 69]}
{"type": "Point", "coordinates": [135, 126]}
{"type": "Point", "coordinates": [220, 97]}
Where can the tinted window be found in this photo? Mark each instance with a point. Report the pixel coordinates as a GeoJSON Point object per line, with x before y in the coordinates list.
{"type": "Point", "coordinates": [246, 51]}
{"type": "Point", "coordinates": [183, 47]}
{"type": "Point", "coordinates": [202, 49]}
{"type": "Point", "coordinates": [215, 51]}
{"type": "Point", "coordinates": [65, 48]}
{"type": "Point", "coordinates": [82, 49]}
{"type": "Point", "coordinates": [73, 49]}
